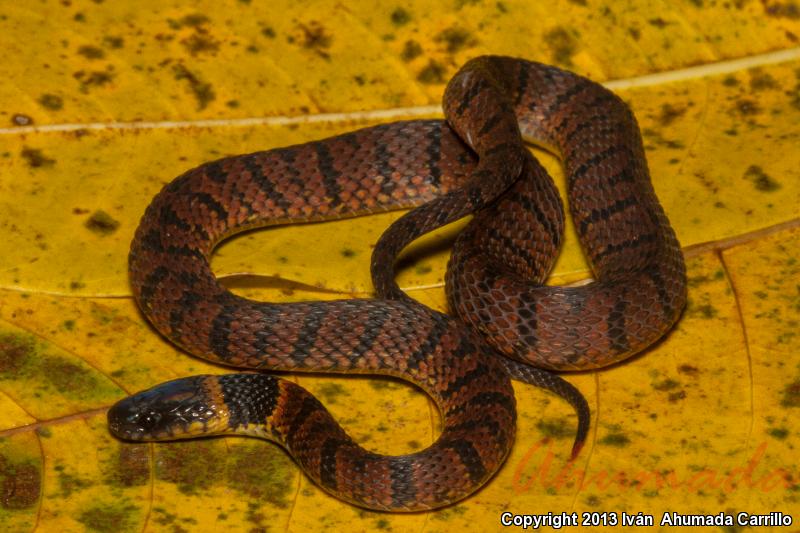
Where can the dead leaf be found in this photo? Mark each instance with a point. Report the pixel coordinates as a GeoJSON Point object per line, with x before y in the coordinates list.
{"type": "Point", "coordinates": [105, 102]}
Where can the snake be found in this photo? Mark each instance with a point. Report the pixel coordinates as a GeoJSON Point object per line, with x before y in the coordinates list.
{"type": "Point", "coordinates": [507, 323]}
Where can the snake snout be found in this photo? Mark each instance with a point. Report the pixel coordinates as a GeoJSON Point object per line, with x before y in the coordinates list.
{"type": "Point", "coordinates": [164, 412]}
{"type": "Point", "coordinates": [128, 421]}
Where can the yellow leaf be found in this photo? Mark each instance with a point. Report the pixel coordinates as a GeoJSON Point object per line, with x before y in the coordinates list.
{"type": "Point", "coordinates": [106, 102]}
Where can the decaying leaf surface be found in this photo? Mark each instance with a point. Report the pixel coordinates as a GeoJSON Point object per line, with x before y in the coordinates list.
{"type": "Point", "coordinates": [105, 103]}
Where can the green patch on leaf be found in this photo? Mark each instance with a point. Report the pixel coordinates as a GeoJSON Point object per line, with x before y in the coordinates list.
{"type": "Point", "coordinates": [261, 472]}
{"type": "Point", "coordinates": [193, 466]}
{"type": "Point", "coordinates": [556, 428]}
{"type": "Point", "coordinates": [331, 392]}
{"type": "Point", "coordinates": [618, 440]}
{"type": "Point", "coordinates": [108, 517]}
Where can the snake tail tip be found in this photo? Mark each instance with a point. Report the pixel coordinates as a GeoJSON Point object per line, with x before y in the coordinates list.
{"type": "Point", "coordinates": [576, 449]}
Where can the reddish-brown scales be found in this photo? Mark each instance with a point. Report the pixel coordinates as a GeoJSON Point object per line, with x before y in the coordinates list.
{"type": "Point", "coordinates": [472, 163]}
{"type": "Point", "coordinates": [640, 287]}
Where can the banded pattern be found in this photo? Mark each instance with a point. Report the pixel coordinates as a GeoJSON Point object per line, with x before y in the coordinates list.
{"type": "Point", "coordinates": [445, 170]}
{"type": "Point", "coordinates": [499, 263]}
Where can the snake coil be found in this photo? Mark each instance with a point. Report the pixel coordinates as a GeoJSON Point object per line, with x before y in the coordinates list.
{"type": "Point", "coordinates": [475, 162]}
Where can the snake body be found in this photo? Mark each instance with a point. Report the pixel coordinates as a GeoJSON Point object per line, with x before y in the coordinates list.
{"type": "Point", "coordinates": [474, 162]}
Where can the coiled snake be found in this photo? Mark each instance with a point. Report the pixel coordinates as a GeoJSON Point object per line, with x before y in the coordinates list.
{"type": "Point", "coordinates": [470, 164]}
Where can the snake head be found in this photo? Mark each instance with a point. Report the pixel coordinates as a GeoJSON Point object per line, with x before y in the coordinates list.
{"type": "Point", "coordinates": [173, 410]}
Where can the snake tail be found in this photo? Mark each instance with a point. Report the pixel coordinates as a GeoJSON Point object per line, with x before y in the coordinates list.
{"type": "Point", "coordinates": [538, 377]}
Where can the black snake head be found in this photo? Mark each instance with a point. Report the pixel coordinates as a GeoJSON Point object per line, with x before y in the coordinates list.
{"type": "Point", "coordinates": [173, 410]}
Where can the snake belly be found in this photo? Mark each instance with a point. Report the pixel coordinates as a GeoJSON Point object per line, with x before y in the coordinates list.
{"type": "Point", "coordinates": [474, 161]}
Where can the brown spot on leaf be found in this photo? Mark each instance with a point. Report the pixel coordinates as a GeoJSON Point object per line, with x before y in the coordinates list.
{"type": "Point", "coordinates": [730, 81]}
{"type": "Point", "coordinates": [432, 73]}
{"type": "Point", "coordinates": [18, 119]}
{"type": "Point", "coordinates": [15, 350]}
{"type": "Point", "coordinates": [411, 50]}
{"type": "Point", "coordinates": [688, 370]}
{"type": "Point", "coordinates": [200, 43]}
{"type": "Point", "coordinates": [35, 158]}
{"type": "Point", "coordinates": [760, 81]}
{"type": "Point", "coordinates": [192, 20]}
{"type": "Point", "coordinates": [132, 467]}
{"type": "Point", "coordinates": [400, 17]}
{"type": "Point", "coordinates": [778, 433]}
{"type": "Point", "coordinates": [316, 37]}
{"type": "Point", "coordinates": [789, 10]}
{"type": "Point", "coordinates": [202, 90]}
{"type": "Point", "coordinates": [20, 484]}
{"type": "Point", "coordinates": [52, 102]}
{"type": "Point", "coordinates": [67, 377]}
{"type": "Point", "coordinates": [255, 517]}
{"type": "Point", "coordinates": [563, 44]}
{"type": "Point", "coordinates": [791, 395]}
{"type": "Point", "coordinates": [92, 79]}
{"type": "Point", "coordinates": [593, 501]}
{"type": "Point", "coordinates": [102, 223]}
{"type": "Point", "coordinates": [91, 52]}
{"type": "Point", "coordinates": [665, 385]}
{"type": "Point", "coordinates": [195, 19]}
{"type": "Point", "coordinates": [658, 22]}
{"type": "Point", "coordinates": [747, 107]}
{"type": "Point", "coordinates": [113, 41]}
{"type": "Point", "coordinates": [676, 396]}
{"type": "Point", "coordinates": [669, 114]}
{"type": "Point", "coordinates": [456, 39]}
{"type": "Point", "coordinates": [760, 179]}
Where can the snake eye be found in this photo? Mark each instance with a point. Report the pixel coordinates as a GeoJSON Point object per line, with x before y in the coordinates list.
{"type": "Point", "coordinates": [147, 421]}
